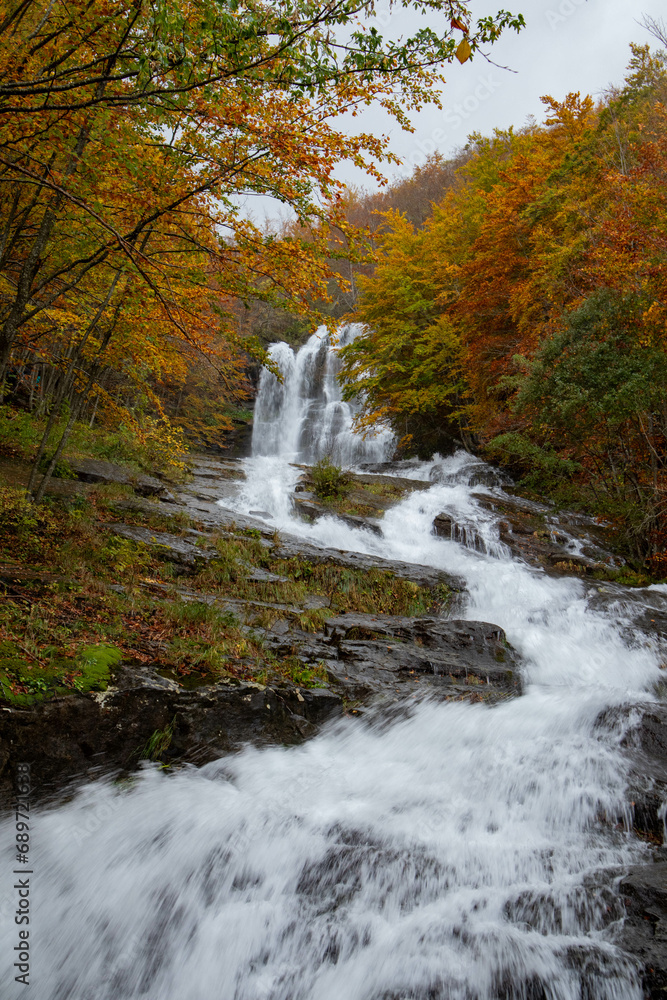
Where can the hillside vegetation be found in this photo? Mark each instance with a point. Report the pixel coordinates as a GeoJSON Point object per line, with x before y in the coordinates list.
{"type": "Point", "coordinates": [527, 315]}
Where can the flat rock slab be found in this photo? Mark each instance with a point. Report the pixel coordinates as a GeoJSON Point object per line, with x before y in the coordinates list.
{"type": "Point", "coordinates": [381, 651]}
{"type": "Point", "coordinates": [92, 470]}
{"type": "Point", "coordinates": [378, 658]}
{"type": "Point", "coordinates": [171, 547]}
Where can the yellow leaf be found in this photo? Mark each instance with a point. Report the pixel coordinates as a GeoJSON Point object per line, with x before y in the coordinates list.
{"type": "Point", "coordinates": [464, 51]}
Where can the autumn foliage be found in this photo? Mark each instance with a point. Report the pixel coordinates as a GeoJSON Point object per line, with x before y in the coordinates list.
{"type": "Point", "coordinates": [130, 133]}
{"type": "Point", "coordinates": [529, 310]}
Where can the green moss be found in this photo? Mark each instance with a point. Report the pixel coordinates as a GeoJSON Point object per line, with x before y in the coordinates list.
{"type": "Point", "coordinates": [26, 679]}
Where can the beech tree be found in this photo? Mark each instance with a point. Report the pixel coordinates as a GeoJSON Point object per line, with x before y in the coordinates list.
{"type": "Point", "coordinates": [128, 129]}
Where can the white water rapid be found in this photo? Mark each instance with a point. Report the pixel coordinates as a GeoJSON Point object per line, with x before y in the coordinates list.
{"type": "Point", "coordinates": [460, 852]}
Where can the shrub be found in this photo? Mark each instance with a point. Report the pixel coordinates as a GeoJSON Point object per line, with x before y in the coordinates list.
{"type": "Point", "coordinates": [19, 515]}
{"type": "Point", "coordinates": [329, 480]}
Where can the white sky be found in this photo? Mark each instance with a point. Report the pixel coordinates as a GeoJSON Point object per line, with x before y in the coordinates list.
{"type": "Point", "coordinates": [567, 45]}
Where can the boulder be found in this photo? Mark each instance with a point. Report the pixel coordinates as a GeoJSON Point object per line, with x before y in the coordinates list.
{"type": "Point", "coordinates": [374, 659]}
{"type": "Point", "coordinates": [384, 654]}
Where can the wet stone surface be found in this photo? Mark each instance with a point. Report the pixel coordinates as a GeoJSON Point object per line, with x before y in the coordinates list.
{"type": "Point", "coordinates": [644, 930]}
{"type": "Point", "coordinates": [78, 737]}
{"type": "Point", "coordinates": [564, 543]}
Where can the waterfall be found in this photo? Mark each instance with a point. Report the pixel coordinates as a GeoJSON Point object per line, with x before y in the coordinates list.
{"type": "Point", "coordinates": [303, 418]}
{"type": "Point", "coordinates": [457, 852]}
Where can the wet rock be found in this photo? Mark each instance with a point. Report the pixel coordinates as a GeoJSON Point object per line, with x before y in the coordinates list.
{"type": "Point", "coordinates": [645, 742]}
{"type": "Point", "coordinates": [211, 480]}
{"type": "Point", "coordinates": [82, 736]}
{"type": "Point", "coordinates": [92, 470]}
{"type": "Point", "coordinates": [567, 543]}
{"type": "Point", "coordinates": [380, 658]}
{"type": "Point", "coordinates": [472, 473]}
{"type": "Point", "coordinates": [383, 652]}
{"type": "Point", "coordinates": [644, 932]}
{"type": "Point", "coordinates": [444, 525]}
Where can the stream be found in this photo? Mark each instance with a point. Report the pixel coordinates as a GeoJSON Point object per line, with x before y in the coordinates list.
{"type": "Point", "coordinates": [453, 852]}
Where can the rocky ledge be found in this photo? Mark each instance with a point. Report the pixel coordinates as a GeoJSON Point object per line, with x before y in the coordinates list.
{"type": "Point", "coordinates": [563, 543]}
{"type": "Point", "coordinates": [370, 660]}
{"type": "Point", "coordinates": [378, 659]}
{"type": "Point", "coordinates": [281, 595]}
{"type": "Point", "coordinates": [644, 930]}
{"type": "Point", "coordinates": [145, 716]}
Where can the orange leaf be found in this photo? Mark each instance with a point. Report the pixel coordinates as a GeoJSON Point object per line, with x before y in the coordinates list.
{"type": "Point", "coordinates": [464, 51]}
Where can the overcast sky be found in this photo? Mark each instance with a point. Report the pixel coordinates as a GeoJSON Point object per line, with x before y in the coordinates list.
{"type": "Point", "coordinates": [567, 45]}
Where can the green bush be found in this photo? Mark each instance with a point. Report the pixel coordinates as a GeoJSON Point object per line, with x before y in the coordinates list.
{"type": "Point", "coordinates": [20, 516]}
{"type": "Point", "coordinates": [19, 431]}
{"type": "Point", "coordinates": [62, 468]}
{"type": "Point", "coordinates": [329, 480]}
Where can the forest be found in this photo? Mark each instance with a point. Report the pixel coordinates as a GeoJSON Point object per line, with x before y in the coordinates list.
{"type": "Point", "coordinates": [128, 132]}
{"type": "Point", "coordinates": [514, 295]}
{"type": "Point", "coordinates": [526, 314]}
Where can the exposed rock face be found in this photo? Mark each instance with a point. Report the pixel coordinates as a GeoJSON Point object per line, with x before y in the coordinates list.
{"type": "Point", "coordinates": [371, 659]}
{"type": "Point", "coordinates": [644, 932]}
{"type": "Point", "coordinates": [646, 744]}
{"type": "Point", "coordinates": [567, 543]}
{"type": "Point", "coordinates": [237, 442]}
{"type": "Point", "coordinates": [388, 655]}
{"type": "Point", "coordinates": [82, 736]}
{"type": "Point", "coordinates": [643, 891]}
{"type": "Point", "coordinates": [93, 470]}
{"type": "Point", "coordinates": [380, 659]}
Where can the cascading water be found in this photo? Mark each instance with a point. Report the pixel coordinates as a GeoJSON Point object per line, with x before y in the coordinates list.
{"type": "Point", "coordinates": [458, 853]}
{"type": "Point", "coordinates": [303, 418]}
